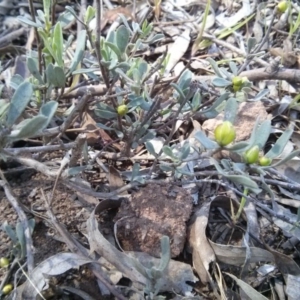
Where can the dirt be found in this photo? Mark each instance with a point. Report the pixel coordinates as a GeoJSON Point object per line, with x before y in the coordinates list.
{"type": "Point", "coordinates": [45, 240]}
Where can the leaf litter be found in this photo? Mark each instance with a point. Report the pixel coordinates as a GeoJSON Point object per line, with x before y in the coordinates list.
{"type": "Point", "coordinates": [225, 254]}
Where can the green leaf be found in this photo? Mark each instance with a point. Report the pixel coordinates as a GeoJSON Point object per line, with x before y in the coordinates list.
{"type": "Point", "coordinates": [105, 111]}
{"type": "Point", "coordinates": [251, 43]}
{"type": "Point", "coordinates": [135, 171]}
{"type": "Point", "coordinates": [66, 19]}
{"type": "Point", "coordinates": [56, 76]}
{"type": "Point", "coordinates": [233, 68]}
{"type": "Point", "coordinates": [212, 111]}
{"type": "Point", "coordinates": [19, 102]}
{"type": "Point", "coordinates": [206, 142]}
{"type": "Point", "coordinates": [179, 91]}
{"type": "Point", "coordinates": [46, 43]}
{"type": "Point", "coordinates": [143, 69]}
{"type": "Point", "coordinates": [196, 101]}
{"type": "Point", "coordinates": [168, 151]}
{"type": "Point", "coordinates": [278, 147]}
{"type": "Point", "coordinates": [89, 14]}
{"type": "Point", "coordinates": [165, 253]}
{"type": "Point", "coordinates": [79, 52]}
{"type": "Point", "coordinates": [238, 147]}
{"type": "Point", "coordinates": [245, 181]}
{"type": "Point", "coordinates": [115, 49]}
{"type": "Point", "coordinates": [33, 69]}
{"type": "Point", "coordinates": [221, 82]}
{"type": "Point", "coordinates": [214, 66]}
{"type": "Point", "coordinates": [261, 94]}
{"type": "Point", "coordinates": [29, 22]}
{"type": "Point", "coordinates": [262, 134]}
{"type": "Point", "coordinates": [48, 110]}
{"type": "Point", "coordinates": [185, 79]}
{"type": "Point", "coordinates": [185, 151]}
{"type": "Point", "coordinates": [285, 159]}
{"type": "Point", "coordinates": [32, 127]}
{"type": "Point", "coordinates": [47, 6]}
{"type": "Point", "coordinates": [150, 148]}
{"type": "Point", "coordinates": [230, 110]}
{"type": "Point", "coordinates": [122, 38]}
{"type": "Point", "coordinates": [58, 44]}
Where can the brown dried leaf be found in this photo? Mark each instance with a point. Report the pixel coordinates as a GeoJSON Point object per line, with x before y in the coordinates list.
{"type": "Point", "coordinates": [130, 267]}
{"type": "Point", "coordinates": [94, 134]}
{"type": "Point", "coordinates": [54, 265]}
{"type": "Point", "coordinates": [233, 255]}
{"type": "Point", "coordinates": [115, 179]}
{"type": "Point", "coordinates": [203, 253]}
{"type": "Point", "coordinates": [289, 58]}
{"type": "Point", "coordinates": [111, 15]}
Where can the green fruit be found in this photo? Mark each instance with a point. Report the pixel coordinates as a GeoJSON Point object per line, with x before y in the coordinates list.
{"type": "Point", "coordinates": [282, 6]}
{"type": "Point", "coordinates": [4, 262]}
{"type": "Point", "coordinates": [251, 155]}
{"type": "Point", "coordinates": [224, 133]}
{"type": "Point", "coordinates": [122, 110]}
{"type": "Point", "coordinates": [265, 161]}
{"type": "Point", "coordinates": [7, 289]}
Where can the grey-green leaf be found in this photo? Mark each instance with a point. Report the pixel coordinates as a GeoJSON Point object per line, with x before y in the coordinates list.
{"type": "Point", "coordinates": [262, 134]}
{"type": "Point", "coordinates": [214, 66]}
{"type": "Point", "coordinates": [19, 102]}
{"type": "Point", "coordinates": [278, 147]}
{"type": "Point", "coordinates": [168, 151]}
{"type": "Point", "coordinates": [245, 181]}
{"type": "Point", "coordinates": [230, 110]}
{"type": "Point", "coordinates": [122, 38]}
{"type": "Point", "coordinates": [150, 148]}
{"type": "Point", "coordinates": [33, 69]}
{"type": "Point", "coordinates": [34, 126]}
{"type": "Point", "coordinates": [220, 82]}
{"type": "Point", "coordinates": [251, 43]}
{"type": "Point", "coordinates": [206, 142]}
{"type": "Point", "coordinates": [80, 46]}
{"type": "Point", "coordinates": [48, 110]}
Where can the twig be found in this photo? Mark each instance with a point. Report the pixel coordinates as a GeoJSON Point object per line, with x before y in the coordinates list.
{"type": "Point", "coordinates": [6, 40]}
{"type": "Point", "coordinates": [39, 149]}
{"type": "Point", "coordinates": [97, 42]}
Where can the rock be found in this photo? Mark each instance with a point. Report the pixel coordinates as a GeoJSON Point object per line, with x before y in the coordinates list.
{"type": "Point", "coordinates": [154, 211]}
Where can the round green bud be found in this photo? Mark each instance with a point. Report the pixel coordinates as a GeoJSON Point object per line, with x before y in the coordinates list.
{"type": "Point", "coordinates": [7, 289]}
{"type": "Point", "coordinates": [237, 80]}
{"type": "Point", "coordinates": [265, 161]}
{"type": "Point", "coordinates": [282, 6]}
{"type": "Point", "coordinates": [251, 155]}
{"type": "Point", "coordinates": [4, 262]}
{"type": "Point", "coordinates": [224, 133]}
{"type": "Point", "coordinates": [122, 110]}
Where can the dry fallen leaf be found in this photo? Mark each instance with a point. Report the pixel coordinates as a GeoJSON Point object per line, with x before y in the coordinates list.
{"type": "Point", "coordinates": [202, 252]}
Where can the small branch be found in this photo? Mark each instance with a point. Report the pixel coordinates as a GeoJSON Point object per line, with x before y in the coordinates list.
{"type": "Point", "coordinates": [97, 42]}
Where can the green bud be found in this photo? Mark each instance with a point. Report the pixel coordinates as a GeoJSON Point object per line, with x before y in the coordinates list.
{"type": "Point", "coordinates": [265, 161]}
{"type": "Point", "coordinates": [237, 80]}
{"type": "Point", "coordinates": [251, 155]}
{"type": "Point", "coordinates": [122, 110]}
{"type": "Point", "coordinates": [7, 289]}
{"type": "Point", "coordinates": [224, 133]}
{"type": "Point", "coordinates": [282, 6]}
{"type": "Point", "coordinates": [4, 262]}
